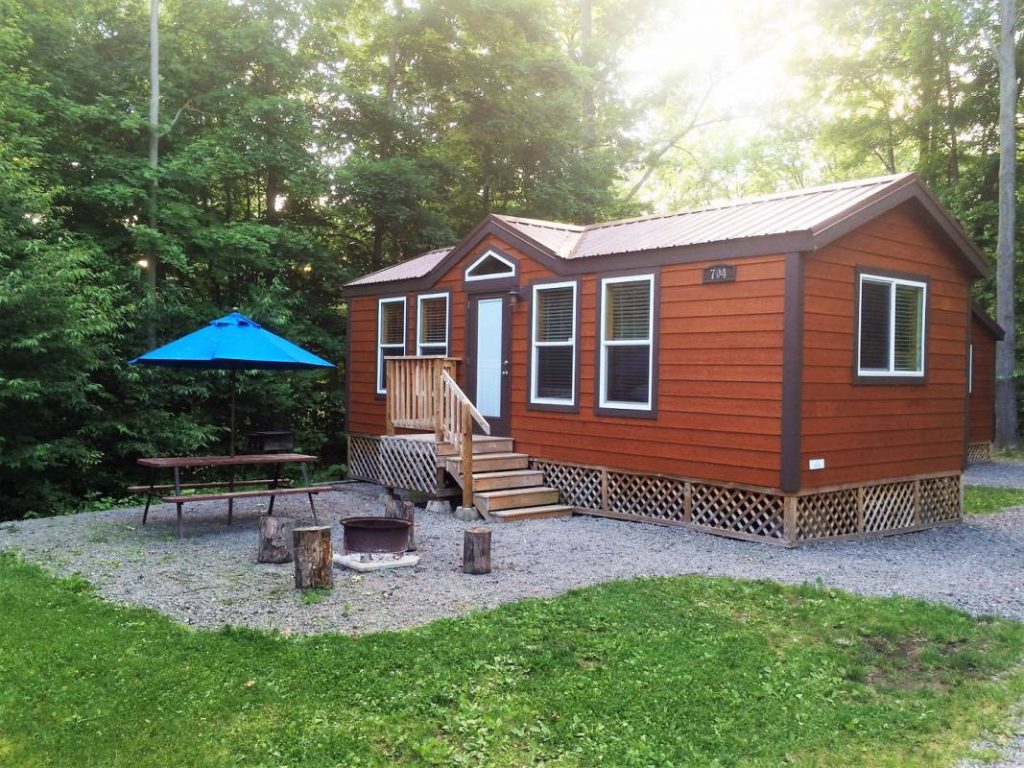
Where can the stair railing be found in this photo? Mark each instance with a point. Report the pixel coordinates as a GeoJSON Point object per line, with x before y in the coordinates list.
{"type": "Point", "coordinates": [414, 392]}
{"type": "Point", "coordinates": [455, 426]}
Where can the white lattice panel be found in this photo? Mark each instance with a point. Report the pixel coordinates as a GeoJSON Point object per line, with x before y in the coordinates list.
{"type": "Point", "coordinates": [737, 509]}
{"type": "Point", "coordinates": [577, 486]}
{"type": "Point", "coordinates": [660, 498]}
{"type": "Point", "coordinates": [888, 507]}
{"type": "Point", "coordinates": [408, 464]}
{"type": "Point", "coordinates": [364, 457]}
{"type": "Point", "coordinates": [979, 452]}
{"type": "Point", "coordinates": [940, 499]}
{"type": "Point", "coordinates": [822, 515]}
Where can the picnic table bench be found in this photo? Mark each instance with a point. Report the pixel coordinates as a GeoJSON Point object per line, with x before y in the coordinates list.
{"type": "Point", "coordinates": [275, 485]}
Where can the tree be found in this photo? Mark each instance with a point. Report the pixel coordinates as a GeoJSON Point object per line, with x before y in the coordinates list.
{"type": "Point", "coordinates": [1006, 250]}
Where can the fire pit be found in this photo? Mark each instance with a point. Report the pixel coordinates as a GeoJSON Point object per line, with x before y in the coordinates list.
{"type": "Point", "coordinates": [367, 535]}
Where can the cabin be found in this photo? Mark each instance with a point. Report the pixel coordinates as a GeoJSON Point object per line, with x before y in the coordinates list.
{"type": "Point", "coordinates": [784, 369]}
{"type": "Point", "coordinates": [981, 384]}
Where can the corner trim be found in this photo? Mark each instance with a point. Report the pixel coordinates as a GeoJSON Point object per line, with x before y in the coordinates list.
{"type": "Point", "coordinates": [792, 374]}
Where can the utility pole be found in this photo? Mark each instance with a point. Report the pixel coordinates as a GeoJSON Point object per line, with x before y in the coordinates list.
{"type": "Point", "coordinates": [1006, 394]}
{"type": "Point", "coordinates": [154, 143]}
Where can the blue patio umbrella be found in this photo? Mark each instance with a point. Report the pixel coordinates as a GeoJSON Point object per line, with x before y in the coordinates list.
{"type": "Point", "coordinates": [233, 343]}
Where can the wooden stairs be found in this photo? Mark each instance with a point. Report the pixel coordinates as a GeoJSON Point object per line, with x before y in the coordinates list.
{"type": "Point", "coordinates": [505, 489]}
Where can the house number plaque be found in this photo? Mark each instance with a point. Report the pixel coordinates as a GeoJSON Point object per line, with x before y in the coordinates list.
{"type": "Point", "coordinates": [720, 273]}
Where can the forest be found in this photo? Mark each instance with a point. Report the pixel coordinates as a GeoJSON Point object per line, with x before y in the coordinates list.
{"type": "Point", "coordinates": [305, 142]}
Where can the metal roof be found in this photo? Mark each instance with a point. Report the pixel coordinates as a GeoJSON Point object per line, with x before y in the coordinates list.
{"type": "Point", "coordinates": [816, 216]}
{"type": "Point", "coordinates": [417, 266]}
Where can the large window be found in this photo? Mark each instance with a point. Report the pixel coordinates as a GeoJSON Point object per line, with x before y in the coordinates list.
{"type": "Point", "coordinates": [891, 333]}
{"type": "Point", "coordinates": [432, 324]}
{"type": "Point", "coordinates": [627, 349]}
{"type": "Point", "coordinates": [390, 336]}
{"type": "Point", "coordinates": [553, 349]}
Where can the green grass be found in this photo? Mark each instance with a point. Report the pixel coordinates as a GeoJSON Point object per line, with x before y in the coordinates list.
{"type": "Point", "coordinates": [983, 500]}
{"type": "Point", "coordinates": [656, 672]}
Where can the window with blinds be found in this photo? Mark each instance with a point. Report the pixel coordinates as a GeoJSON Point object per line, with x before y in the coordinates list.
{"type": "Point", "coordinates": [553, 348]}
{"type": "Point", "coordinates": [390, 336]}
{"type": "Point", "coordinates": [432, 325]}
{"type": "Point", "coordinates": [627, 342]}
{"type": "Point", "coordinates": [890, 330]}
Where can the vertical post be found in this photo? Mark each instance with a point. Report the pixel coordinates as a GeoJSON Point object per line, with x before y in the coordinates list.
{"type": "Point", "coordinates": [917, 503]}
{"type": "Point", "coordinates": [860, 509]}
{"type": "Point", "coordinates": [389, 398]}
{"type": "Point", "coordinates": [467, 456]}
{"type": "Point", "coordinates": [605, 502]}
{"type": "Point", "coordinates": [688, 502]}
{"type": "Point", "coordinates": [438, 401]}
{"type": "Point", "coordinates": [789, 509]}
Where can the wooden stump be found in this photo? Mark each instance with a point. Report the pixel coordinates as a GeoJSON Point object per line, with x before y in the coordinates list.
{"type": "Point", "coordinates": [275, 540]}
{"type": "Point", "coordinates": [313, 557]}
{"type": "Point", "coordinates": [476, 551]}
{"type": "Point", "coordinates": [403, 510]}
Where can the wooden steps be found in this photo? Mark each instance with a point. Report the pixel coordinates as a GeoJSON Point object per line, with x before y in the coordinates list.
{"type": "Point", "coordinates": [481, 444]}
{"type": "Point", "coordinates": [505, 489]}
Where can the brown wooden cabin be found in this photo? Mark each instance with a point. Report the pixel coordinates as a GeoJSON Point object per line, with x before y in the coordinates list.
{"type": "Point", "coordinates": [785, 368]}
{"type": "Point", "coordinates": [981, 385]}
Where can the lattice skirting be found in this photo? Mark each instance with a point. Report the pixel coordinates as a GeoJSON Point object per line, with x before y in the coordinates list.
{"type": "Point", "coordinates": [408, 464]}
{"type": "Point", "coordinates": [364, 457]}
{"type": "Point", "coordinates": [761, 514]}
{"type": "Point", "coordinates": [979, 452]}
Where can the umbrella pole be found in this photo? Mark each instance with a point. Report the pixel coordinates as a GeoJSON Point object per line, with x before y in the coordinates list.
{"type": "Point", "coordinates": [234, 384]}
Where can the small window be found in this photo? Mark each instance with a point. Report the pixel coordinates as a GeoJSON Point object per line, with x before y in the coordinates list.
{"type": "Point", "coordinates": [489, 266]}
{"type": "Point", "coordinates": [390, 336]}
{"type": "Point", "coordinates": [553, 362]}
{"type": "Point", "coordinates": [432, 325]}
{"type": "Point", "coordinates": [627, 327]}
{"type": "Point", "coordinates": [891, 327]}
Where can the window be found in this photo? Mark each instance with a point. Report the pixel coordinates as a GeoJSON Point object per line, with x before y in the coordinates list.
{"type": "Point", "coordinates": [489, 266]}
{"type": "Point", "coordinates": [626, 356]}
{"type": "Point", "coordinates": [890, 339]}
{"type": "Point", "coordinates": [432, 324]}
{"type": "Point", "coordinates": [553, 361]}
{"type": "Point", "coordinates": [390, 336]}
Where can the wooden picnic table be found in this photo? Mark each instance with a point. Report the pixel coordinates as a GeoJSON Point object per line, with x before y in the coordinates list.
{"type": "Point", "coordinates": [273, 489]}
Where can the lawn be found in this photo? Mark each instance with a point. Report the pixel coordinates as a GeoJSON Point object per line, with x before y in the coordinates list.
{"type": "Point", "coordinates": [653, 672]}
{"type": "Point", "coordinates": [983, 500]}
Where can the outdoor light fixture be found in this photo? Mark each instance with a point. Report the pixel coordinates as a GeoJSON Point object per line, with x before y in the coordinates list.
{"type": "Point", "coordinates": [143, 263]}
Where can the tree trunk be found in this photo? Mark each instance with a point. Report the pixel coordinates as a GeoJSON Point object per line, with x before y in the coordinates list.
{"type": "Point", "coordinates": [154, 145]}
{"type": "Point", "coordinates": [1006, 395]}
{"type": "Point", "coordinates": [313, 557]}
{"type": "Point", "coordinates": [476, 551]}
{"type": "Point", "coordinates": [275, 540]}
{"type": "Point", "coordinates": [403, 510]}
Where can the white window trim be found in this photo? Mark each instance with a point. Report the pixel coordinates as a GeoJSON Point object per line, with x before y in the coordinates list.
{"type": "Point", "coordinates": [535, 345]}
{"type": "Point", "coordinates": [419, 322]}
{"type": "Point", "coordinates": [380, 347]}
{"type": "Point", "coordinates": [603, 401]}
{"type": "Point", "coordinates": [891, 372]}
{"type": "Point", "coordinates": [490, 254]}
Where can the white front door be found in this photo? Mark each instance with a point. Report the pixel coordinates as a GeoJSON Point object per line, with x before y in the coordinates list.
{"type": "Point", "coordinates": [489, 318]}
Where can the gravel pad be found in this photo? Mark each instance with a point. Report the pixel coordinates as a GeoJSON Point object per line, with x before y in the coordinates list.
{"type": "Point", "coordinates": [210, 578]}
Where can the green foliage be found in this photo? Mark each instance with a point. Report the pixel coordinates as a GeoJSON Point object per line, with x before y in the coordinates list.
{"type": "Point", "coordinates": [983, 500]}
{"type": "Point", "coordinates": [686, 672]}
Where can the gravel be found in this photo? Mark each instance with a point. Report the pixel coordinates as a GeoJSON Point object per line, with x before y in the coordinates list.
{"type": "Point", "coordinates": [211, 578]}
{"type": "Point", "coordinates": [997, 474]}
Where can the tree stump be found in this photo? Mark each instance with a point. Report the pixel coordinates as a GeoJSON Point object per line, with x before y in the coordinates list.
{"type": "Point", "coordinates": [275, 540]}
{"type": "Point", "coordinates": [403, 510]}
{"type": "Point", "coordinates": [313, 557]}
{"type": "Point", "coordinates": [476, 550]}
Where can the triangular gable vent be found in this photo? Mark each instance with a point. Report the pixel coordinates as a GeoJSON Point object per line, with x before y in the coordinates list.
{"type": "Point", "coordinates": [489, 266]}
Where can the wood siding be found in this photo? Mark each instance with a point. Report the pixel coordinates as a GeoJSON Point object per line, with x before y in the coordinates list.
{"type": "Point", "coordinates": [982, 406]}
{"type": "Point", "coordinates": [719, 374]}
{"type": "Point", "coordinates": [870, 431]}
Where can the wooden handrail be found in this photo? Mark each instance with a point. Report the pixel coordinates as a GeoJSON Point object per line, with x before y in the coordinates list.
{"type": "Point", "coordinates": [423, 394]}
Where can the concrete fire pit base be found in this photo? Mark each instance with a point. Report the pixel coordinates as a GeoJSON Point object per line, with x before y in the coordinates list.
{"type": "Point", "coordinates": [375, 562]}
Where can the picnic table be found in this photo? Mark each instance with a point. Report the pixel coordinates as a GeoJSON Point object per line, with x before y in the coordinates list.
{"type": "Point", "coordinates": [275, 486]}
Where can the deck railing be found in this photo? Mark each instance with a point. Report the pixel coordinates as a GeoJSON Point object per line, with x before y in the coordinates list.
{"type": "Point", "coordinates": [414, 392]}
{"type": "Point", "coordinates": [423, 394]}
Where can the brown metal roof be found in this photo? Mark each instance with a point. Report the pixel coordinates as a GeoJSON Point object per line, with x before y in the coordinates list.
{"type": "Point", "coordinates": [407, 270]}
{"type": "Point", "coordinates": [806, 219]}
